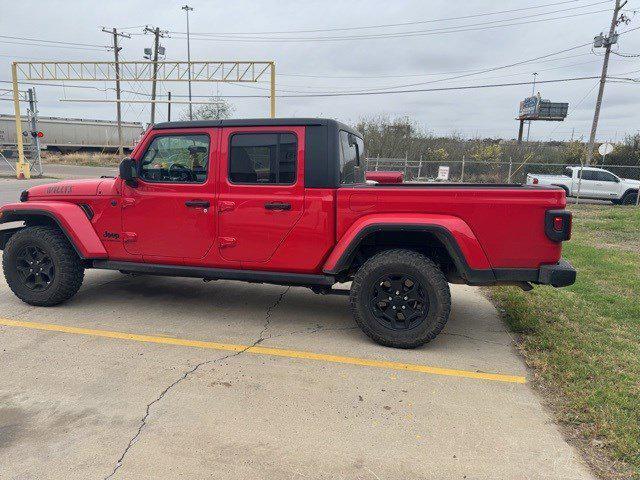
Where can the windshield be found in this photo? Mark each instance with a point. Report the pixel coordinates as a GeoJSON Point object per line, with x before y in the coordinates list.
{"type": "Point", "coordinates": [351, 158]}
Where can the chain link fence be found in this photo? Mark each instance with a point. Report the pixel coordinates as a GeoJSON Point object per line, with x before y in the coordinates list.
{"type": "Point", "coordinates": [482, 171]}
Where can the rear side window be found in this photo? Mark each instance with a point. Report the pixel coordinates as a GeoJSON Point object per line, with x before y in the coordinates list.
{"type": "Point", "coordinates": [176, 159]}
{"type": "Point", "coordinates": [263, 158]}
{"type": "Point", "coordinates": [351, 158]}
{"type": "Point", "coordinates": [588, 175]}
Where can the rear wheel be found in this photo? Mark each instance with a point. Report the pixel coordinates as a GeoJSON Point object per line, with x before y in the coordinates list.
{"type": "Point", "coordinates": [400, 298]}
{"type": "Point", "coordinates": [41, 267]}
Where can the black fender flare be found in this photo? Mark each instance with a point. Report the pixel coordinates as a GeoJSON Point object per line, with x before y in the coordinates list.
{"type": "Point", "coordinates": [470, 275]}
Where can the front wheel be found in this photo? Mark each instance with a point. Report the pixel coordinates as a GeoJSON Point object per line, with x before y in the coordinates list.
{"type": "Point", "coordinates": [41, 267]}
{"type": "Point", "coordinates": [400, 298]}
{"type": "Point", "coordinates": [630, 198]}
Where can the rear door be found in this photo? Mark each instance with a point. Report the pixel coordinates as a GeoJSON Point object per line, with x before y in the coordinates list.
{"type": "Point", "coordinates": [261, 190]}
{"type": "Point", "coordinates": [587, 184]}
{"type": "Point", "coordinates": [170, 215]}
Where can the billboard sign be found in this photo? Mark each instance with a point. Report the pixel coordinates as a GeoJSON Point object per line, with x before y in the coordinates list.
{"type": "Point", "coordinates": [536, 108]}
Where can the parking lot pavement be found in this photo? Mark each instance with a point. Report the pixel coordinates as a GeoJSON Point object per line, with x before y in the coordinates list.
{"type": "Point", "coordinates": [65, 171]}
{"type": "Point", "coordinates": [150, 377]}
{"type": "Point", "coordinates": [10, 188]}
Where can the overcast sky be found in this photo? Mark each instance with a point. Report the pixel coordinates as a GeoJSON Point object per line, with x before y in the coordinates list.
{"type": "Point", "coordinates": [371, 63]}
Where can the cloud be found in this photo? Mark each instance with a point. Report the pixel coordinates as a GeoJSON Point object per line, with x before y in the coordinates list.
{"type": "Point", "coordinates": [486, 111]}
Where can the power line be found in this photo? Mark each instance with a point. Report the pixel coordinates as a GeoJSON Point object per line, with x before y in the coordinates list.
{"type": "Point", "coordinates": [418, 33]}
{"type": "Point", "coordinates": [417, 90]}
{"type": "Point", "coordinates": [52, 45]}
{"type": "Point", "coordinates": [492, 69]}
{"type": "Point", "coordinates": [418, 22]}
{"type": "Point", "coordinates": [408, 75]}
{"type": "Point", "coordinates": [42, 40]}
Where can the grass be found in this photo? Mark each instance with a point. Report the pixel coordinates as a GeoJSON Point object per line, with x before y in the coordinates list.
{"type": "Point", "coordinates": [583, 341]}
{"type": "Point", "coordinates": [84, 159]}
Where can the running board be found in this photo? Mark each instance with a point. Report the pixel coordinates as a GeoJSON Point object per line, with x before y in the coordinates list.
{"type": "Point", "coordinates": [206, 273]}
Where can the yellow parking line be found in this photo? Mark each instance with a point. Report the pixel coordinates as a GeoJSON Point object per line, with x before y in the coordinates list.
{"type": "Point", "coordinates": [259, 350]}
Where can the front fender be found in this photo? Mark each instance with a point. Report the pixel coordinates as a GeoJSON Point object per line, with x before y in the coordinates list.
{"type": "Point", "coordinates": [69, 217]}
{"type": "Point", "coordinates": [453, 232]}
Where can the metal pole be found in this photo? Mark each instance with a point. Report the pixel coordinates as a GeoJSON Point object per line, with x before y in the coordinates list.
{"type": "Point", "coordinates": [169, 106]}
{"type": "Point", "coordinates": [420, 168]}
{"type": "Point", "coordinates": [22, 168]}
{"type": "Point", "coordinates": [533, 92]}
{"type": "Point", "coordinates": [580, 172]}
{"type": "Point", "coordinates": [116, 51]}
{"type": "Point", "coordinates": [33, 120]}
{"type": "Point", "coordinates": [603, 78]}
{"type": "Point", "coordinates": [510, 166]}
{"type": "Point", "coordinates": [156, 42]}
{"type": "Point", "coordinates": [462, 172]}
{"type": "Point", "coordinates": [520, 130]}
{"type": "Point", "coordinates": [273, 90]}
{"type": "Point", "coordinates": [187, 9]}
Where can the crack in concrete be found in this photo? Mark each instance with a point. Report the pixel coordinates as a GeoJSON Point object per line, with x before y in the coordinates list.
{"type": "Point", "coordinates": [143, 421]}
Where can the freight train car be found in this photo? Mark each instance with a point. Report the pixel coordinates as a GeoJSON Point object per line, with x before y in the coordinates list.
{"type": "Point", "coordinates": [67, 135]}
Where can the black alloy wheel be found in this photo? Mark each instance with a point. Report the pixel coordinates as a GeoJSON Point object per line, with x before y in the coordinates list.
{"type": "Point", "coordinates": [35, 268]}
{"type": "Point", "coordinates": [399, 301]}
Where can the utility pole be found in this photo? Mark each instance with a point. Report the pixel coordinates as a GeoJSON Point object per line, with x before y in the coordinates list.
{"type": "Point", "coordinates": [608, 42]}
{"type": "Point", "coordinates": [533, 92]}
{"type": "Point", "coordinates": [188, 9]}
{"type": "Point", "coordinates": [116, 51]}
{"type": "Point", "coordinates": [35, 132]}
{"type": "Point", "coordinates": [169, 106]}
{"type": "Point", "coordinates": [156, 46]}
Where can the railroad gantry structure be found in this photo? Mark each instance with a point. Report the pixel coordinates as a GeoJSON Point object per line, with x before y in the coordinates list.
{"type": "Point", "coordinates": [248, 71]}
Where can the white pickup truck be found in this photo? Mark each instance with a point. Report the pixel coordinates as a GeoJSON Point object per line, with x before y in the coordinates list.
{"type": "Point", "coordinates": [596, 183]}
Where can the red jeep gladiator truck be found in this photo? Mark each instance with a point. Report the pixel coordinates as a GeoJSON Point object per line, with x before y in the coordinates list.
{"type": "Point", "coordinates": [284, 201]}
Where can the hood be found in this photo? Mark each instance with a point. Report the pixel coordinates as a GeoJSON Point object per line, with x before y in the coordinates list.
{"type": "Point", "coordinates": [631, 181]}
{"type": "Point", "coordinates": [73, 188]}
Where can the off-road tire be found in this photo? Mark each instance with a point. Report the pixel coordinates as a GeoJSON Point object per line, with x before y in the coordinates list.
{"type": "Point", "coordinates": [401, 262]}
{"type": "Point", "coordinates": [629, 198]}
{"type": "Point", "coordinates": [67, 266]}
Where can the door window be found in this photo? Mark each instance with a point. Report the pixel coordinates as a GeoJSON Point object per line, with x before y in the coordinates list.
{"type": "Point", "coordinates": [606, 177]}
{"type": "Point", "coordinates": [176, 159]}
{"type": "Point", "coordinates": [263, 158]}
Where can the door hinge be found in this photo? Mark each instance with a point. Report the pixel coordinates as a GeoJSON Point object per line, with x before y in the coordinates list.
{"type": "Point", "coordinates": [129, 237]}
{"type": "Point", "coordinates": [226, 206]}
{"type": "Point", "coordinates": [226, 242]}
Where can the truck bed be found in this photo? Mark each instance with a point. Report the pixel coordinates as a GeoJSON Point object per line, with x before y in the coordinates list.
{"type": "Point", "coordinates": [506, 219]}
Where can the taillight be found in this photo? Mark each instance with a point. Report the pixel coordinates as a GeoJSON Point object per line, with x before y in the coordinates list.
{"type": "Point", "coordinates": [557, 225]}
{"type": "Point", "coordinates": [535, 181]}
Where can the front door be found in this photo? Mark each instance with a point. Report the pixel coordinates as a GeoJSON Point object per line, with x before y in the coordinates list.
{"type": "Point", "coordinates": [170, 216]}
{"type": "Point", "coordinates": [606, 185]}
{"type": "Point", "coordinates": [261, 190]}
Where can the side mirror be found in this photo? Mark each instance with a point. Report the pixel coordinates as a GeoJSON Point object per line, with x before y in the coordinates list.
{"type": "Point", "coordinates": [128, 172]}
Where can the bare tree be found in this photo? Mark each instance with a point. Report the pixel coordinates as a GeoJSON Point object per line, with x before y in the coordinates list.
{"type": "Point", "coordinates": [219, 109]}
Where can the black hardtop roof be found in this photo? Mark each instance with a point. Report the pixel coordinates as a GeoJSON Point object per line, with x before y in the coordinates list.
{"type": "Point", "coordinates": [257, 122]}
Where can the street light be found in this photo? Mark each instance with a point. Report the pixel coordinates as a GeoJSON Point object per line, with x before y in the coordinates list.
{"type": "Point", "coordinates": [187, 9]}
